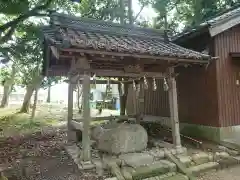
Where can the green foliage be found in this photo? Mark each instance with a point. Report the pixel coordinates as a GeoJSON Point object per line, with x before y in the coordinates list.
{"type": "Point", "coordinates": [4, 73]}
{"type": "Point", "coordinates": [14, 7]}
{"type": "Point", "coordinates": [188, 13]}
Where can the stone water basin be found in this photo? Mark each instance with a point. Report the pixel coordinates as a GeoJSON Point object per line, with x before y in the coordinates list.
{"type": "Point", "coordinates": [116, 138]}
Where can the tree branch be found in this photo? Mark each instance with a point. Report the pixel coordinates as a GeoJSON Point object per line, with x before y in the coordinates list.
{"type": "Point", "coordinates": [11, 26]}
{"type": "Point", "coordinates": [138, 13]}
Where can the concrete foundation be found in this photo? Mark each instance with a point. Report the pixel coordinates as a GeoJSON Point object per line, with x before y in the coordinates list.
{"type": "Point", "coordinates": [217, 134]}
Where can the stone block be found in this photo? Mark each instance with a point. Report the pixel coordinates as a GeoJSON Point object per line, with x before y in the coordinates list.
{"type": "Point", "coordinates": [221, 155]}
{"type": "Point", "coordinates": [177, 177]}
{"type": "Point", "coordinates": [112, 178]}
{"type": "Point", "coordinates": [136, 159]}
{"type": "Point", "coordinates": [196, 170]}
{"type": "Point", "coordinates": [186, 160]}
{"type": "Point", "coordinates": [126, 173]}
{"type": "Point", "coordinates": [181, 151]}
{"type": "Point", "coordinates": [224, 155]}
{"type": "Point", "coordinates": [72, 136]}
{"type": "Point", "coordinates": [86, 165]}
{"type": "Point", "coordinates": [157, 153]}
{"type": "Point", "coordinates": [172, 167]}
{"type": "Point", "coordinates": [155, 169]}
{"type": "Point", "coordinates": [97, 132]}
{"type": "Point", "coordinates": [200, 158]}
{"type": "Point", "coordinates": [125, 138]}
{"type": "Point", "coordinates": [99, 166]}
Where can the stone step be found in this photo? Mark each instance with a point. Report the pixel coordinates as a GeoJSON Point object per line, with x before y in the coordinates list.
{"type": "Point", "coordinates": [161, 177]}
{"type": "Point", "coordinates": [186, 160]}
{"type": "Point", "coordinates": [169, 176]}
{"type": "Point", "coordinates": [196, 170]}
{"type": "Point", "coordinates": [156, 169]}
{"type": "Point", "coordinates": [200, 158]}
{"type": "Point", "coordinates": [178, 176]}
{"type": "Point", "coordinates": [229, 162]}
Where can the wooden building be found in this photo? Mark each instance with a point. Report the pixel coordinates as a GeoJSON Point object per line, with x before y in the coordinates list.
{"type": "Point", "coordinates": [81, 48]}
{"type": "Point", "coordinates": [209, 98]}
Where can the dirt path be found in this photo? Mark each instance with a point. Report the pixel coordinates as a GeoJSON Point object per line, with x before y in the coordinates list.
{"type": "Point", "coordinates": [40, 158]}
{"type": "Point", "coordinates": [226, 174]}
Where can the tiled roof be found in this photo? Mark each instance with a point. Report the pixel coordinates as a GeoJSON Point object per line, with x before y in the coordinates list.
{"type": "Point", "coordinates": [223, 17]}
{"type": "Point", "coordinates": [111, 37]}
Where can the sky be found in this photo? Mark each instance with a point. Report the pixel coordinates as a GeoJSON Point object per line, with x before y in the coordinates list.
{"type": "Point", "coordinates": [147, 13]}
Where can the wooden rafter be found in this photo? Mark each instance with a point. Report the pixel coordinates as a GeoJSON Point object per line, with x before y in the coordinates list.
{"type": "Point", "coordinates": [138, 56]}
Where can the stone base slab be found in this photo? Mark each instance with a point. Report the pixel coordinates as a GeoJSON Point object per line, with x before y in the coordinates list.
{"type": "Point", "coordinates": [74, 152]}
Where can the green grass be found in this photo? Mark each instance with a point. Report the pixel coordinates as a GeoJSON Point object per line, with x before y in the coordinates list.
{"type": "Point", "coordinates": [14, 123]}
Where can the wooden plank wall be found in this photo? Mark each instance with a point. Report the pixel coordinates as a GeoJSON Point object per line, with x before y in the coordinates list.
{"type": "Point", "coordinates": [197, 95]}
{"type": "Point", "coordinates": [156, 102]}
{"type": "Point", "coordinates": [227, 74]}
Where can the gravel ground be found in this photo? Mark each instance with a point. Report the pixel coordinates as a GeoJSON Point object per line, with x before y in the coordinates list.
{"type": "Point", "coordinates": [226, 174]}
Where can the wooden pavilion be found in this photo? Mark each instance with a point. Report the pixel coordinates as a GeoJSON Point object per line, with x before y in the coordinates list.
{"type": "Point", "coordinates": [82, 48]}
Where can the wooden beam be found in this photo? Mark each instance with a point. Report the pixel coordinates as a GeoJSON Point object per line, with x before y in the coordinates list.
{"type": "Point", "coordinates": [55, 52]}
{"type": "Point", "coordinates": [138, 56]}
{"type": "Point", "coordinates": [223, 25]}
{"type": "Point", "coordinates": [102, 81]}
{"type": "Point", "coordinates": [87, 118]}
{"type": "Point", "coordinates": [70, 110]}
{"type": "Point", "coordinates": [173, 103]}
{"type": "Point", "coordinates": [116, 73]}
{"type": "Point", "coordinates": [107, 118]}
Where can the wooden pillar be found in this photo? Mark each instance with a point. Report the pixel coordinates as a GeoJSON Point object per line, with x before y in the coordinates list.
{"type": "Point", "coordinates": [86, 153]}
{"type": "Point", "coordinates": [70, 135]}
{"type": "Point", "coordinates": [173, 104]}
{"type": "Point", "coordinates": [140, 103]}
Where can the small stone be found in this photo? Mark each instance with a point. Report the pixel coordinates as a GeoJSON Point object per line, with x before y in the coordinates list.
{"type": "Point", "coordinates": [200, 158]}
{"type": "Point", "coordinates": [172, 167]}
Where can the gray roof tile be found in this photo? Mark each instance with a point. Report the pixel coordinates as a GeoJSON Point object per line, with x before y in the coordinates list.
{"type": "Point", "coordinates": [106, 36]}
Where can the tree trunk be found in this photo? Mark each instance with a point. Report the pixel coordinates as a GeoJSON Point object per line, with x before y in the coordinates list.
{"type": "Point", "coordinates": [27, 99]}
{"type": "Point", "coordinates": [130, 16]}
{"type": "Point", "coordinates": [49, 94]}
{"type": "Point", "coordinates": [5, 98]}
{"type": "Point", "coordinates": [30, 89]}
{"type": "Point", "coordinates": [8, 88]}
{"type": "Point", "coordinates": [35, 103]}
